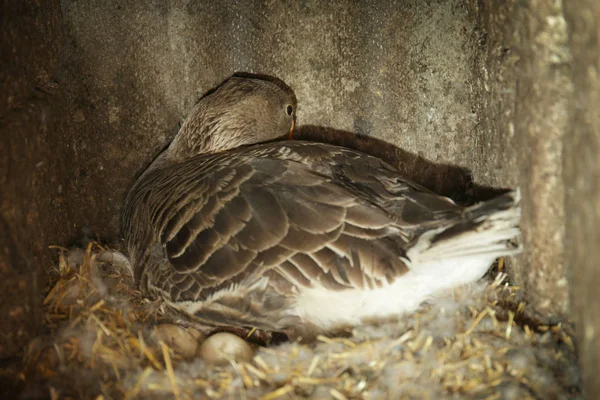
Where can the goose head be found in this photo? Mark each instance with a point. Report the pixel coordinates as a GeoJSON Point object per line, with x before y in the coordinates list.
{"type": "Point", "coordinates": [242, 111]}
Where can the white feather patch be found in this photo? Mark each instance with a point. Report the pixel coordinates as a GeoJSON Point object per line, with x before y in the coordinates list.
{"type": "Point", "coordinates": [329, 309]}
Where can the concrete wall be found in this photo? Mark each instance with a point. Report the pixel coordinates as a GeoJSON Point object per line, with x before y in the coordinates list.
{"type": "Point", "coordinates": [475, 93]}
{"type": "Point", "coordinates": [134, 69]}
{"type": "Point", "coordinates": [581, 163]}
{"type": "Point", "coordinates": [525, 83]}
{"type": "Point", "coordinates": [31, 167]}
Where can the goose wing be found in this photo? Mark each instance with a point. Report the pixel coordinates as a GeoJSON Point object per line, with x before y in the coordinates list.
{"type": "Point", "coordinates": [303, 214]}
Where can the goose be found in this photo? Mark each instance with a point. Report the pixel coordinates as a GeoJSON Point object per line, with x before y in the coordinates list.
{"type": "Point", "coordinates": [234, 226]}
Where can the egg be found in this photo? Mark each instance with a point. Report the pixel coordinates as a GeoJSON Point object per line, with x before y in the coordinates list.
{"type": "Point", "coordinates": [184, 342]}
{"type": "Point", "coordinates": [224, 347]}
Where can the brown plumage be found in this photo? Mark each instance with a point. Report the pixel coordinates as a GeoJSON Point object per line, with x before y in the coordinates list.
{"type": "Point", "coordinates": [236, 233]}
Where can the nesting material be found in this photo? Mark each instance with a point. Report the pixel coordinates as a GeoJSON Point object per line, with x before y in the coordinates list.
{"type": "Point", "coordinates": [103, 340]}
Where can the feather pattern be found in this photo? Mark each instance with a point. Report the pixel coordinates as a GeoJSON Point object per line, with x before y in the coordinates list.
{"type": "Point", "coordinates": [290, 235]}
{"type": "Point", "coordinates": [338, 221]}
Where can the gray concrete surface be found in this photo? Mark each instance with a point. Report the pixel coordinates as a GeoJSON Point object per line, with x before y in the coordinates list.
{"type": "Point", "coordinates": [582, 177]}
{"type": "Point", "coordinates": [30, 41]}
{"type": "Point", "coordinates": [525, 83]}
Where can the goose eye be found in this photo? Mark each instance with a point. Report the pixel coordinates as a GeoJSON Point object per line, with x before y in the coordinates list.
{"type": "Point", "coordinates": [289, 109]}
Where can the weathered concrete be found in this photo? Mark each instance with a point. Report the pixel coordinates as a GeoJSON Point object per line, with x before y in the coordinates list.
{"type": "Point", "coordinates": [30, 170]}
{"type": "Point", "coordinates": [525, 84]}
{"type": "Point", "coordinates": [403, 76]}
{"type": "Point", "coordinates": [34, 210]}
{"type": "Point", "coordinates": [30, 39]}
{"type": "Point", "coordinates": [582, 175]}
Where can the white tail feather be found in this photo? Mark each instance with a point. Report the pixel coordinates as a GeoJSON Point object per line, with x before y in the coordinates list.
{"type": "Point", "coordinates": [492, 234]}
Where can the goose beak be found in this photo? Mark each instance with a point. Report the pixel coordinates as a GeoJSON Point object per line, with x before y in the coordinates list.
{"type": "Point", "coordinates": [291, 130]}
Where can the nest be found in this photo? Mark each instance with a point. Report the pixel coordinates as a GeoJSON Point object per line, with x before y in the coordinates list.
{"type": "Point", "coordinates": [477, 342]}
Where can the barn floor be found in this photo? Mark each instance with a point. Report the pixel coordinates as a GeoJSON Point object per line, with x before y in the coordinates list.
{"type": "Point", "coordinates": [479, 342]}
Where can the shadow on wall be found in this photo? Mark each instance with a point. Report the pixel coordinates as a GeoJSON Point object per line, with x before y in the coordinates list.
{"type": "Point", "coordinates": [448, 180]}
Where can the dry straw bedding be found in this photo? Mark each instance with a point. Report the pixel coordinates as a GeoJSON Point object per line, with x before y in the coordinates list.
{"type": "Point", "coordinates": [478, 342]}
